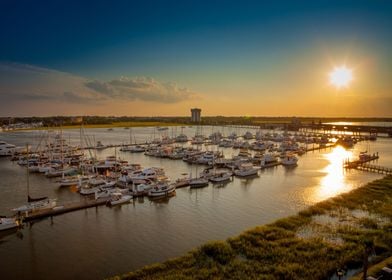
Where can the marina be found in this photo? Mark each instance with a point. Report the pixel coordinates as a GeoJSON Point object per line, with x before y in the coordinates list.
{"type": "Point", "coordinates": [223, 194]}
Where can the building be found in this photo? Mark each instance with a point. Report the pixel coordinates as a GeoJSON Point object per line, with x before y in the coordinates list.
{"type": "Point", "coordinates": [196, 115]}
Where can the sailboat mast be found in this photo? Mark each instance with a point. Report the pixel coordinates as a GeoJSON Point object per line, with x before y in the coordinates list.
{"type": "Point", "coordinates": [27, 172]}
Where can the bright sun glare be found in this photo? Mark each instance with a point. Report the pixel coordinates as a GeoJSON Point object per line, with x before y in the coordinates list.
{"type": "Point", "coordinates": [341, 76]}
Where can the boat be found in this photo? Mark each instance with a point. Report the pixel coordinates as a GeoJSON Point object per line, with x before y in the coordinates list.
{"type": "Point", "coordinates": [289, 160]}
{"type": "Point", "coordinates": [161, 189]}
{"type": "Point", "coordinates": [221, 177]}
{"type": "Point", "coordinates": [198, 182]}
{"type": "Point", "coordinates": [136, 149]}
{"type": "Point", "coordinates": [73, 181]}
{"type": "Point", "coordinates": [100, 146]}
{"type": "Point", "coordinates": [8, 223]}
{"type": "Point", "coordinates": [182, 138]}
{"type": "Point", "coordinates": [119, 198]}
{"type": "Point", "coordinates": [268, 159]}
{"type": "Point", "coordinates": [37, 205]}
{"type": "Point", "coordinates": [95, 184]}
{"type": "Point", "coordinates": [182, 182]}
{"type": "Point", "coordinates": [246, 169]}
{"type": "Point", "coordinates": [6, 149]}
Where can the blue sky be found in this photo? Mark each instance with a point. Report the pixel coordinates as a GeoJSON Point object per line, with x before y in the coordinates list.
{"type": "Point", "coordinates": [214, 49]}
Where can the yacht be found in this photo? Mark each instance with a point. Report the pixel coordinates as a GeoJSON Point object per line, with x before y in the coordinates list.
{"type": "Point", "coordinates": [268, 158]}
{"type": "Point", "coordinates": [221, 177]}
{"type": "Point", "coordinates": [149, 173]}
{"type": "Point", "coordinates": [43, 204]}
{"type": "Point", "coordinates": [73, 181]}
{"type": "Point", "coordinates": [162, 189]}
{"type": "Point", "coordinates": [182, 138]}
{"type": "Point", "coordinates": [96, 184]}
{"type": "Point", "coordinates": [289, 160]}
{"type": "Point", "coordinates": [7, 149]}
{"type": "Point", "coordinates": [182, 182]}
{"type": "Point", "coordinates": [248, 135]}
{"type": "Point", "coordinates": [246, 169]}
{"type": "Point", "coordinates": [8, 223]}
{"type": "Point", "coordinates": [198, 182]}
{"type": "Point", "coordinates": [119, 198]}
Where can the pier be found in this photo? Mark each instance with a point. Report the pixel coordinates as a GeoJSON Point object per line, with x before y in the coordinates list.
{"type": "Point", "coordinates": [61, 209]}
{"type": "Point", "coordinates": [364, 165]}
{"type": "Point", "coordinates": [374, 169]}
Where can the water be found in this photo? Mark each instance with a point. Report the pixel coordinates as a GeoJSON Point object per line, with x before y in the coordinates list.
{"type": "Point", "coordinates": [102, 242]}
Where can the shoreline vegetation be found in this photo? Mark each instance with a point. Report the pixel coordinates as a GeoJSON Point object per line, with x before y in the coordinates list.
{"type": "Point", "coordinates": [338, 233]}
{"type": "Point", "coordinates": [55, 122]}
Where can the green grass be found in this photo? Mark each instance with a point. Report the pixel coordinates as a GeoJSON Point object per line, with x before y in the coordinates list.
{"type": "Point", "coordinates": [276, 251]}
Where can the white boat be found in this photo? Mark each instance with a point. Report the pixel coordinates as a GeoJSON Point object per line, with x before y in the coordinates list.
{"type": "Point", "coordinates": [73, 181]}
{"type": "Point", "coordinates": [268, 158]}
{"type": "Point", "coordinates": [134, 149]}
{"type": "Point", "coordinates": [6, 149]}
{"type": "Point", "coordinates": [246, 169]}
{"type": "Point", "coordinates": [198, 182]}
{"type": "Point", "coordinates": [289, 160]}
{"type": "Point", "coordinates": [141, 187]}
{"type": "Point", "coordinates": [100, 146]}
{"type": "Point", "coordinates": [8, 223]}
{"type": "Point", "coordinates": [221, 177]}
{"type": "Point", "coordinates": [182, 182]}
{"type": "Point", "coordinates": [119, 198]}
{"type": "Point", "coordinates": [149, 173]}
{"type": "Point", "coordinates": [37, 205]}
{"type": "Point", "coordinates": [94, 185]}
{"type": "Point", "coordinates": [182, 138]}
{"type": "Point", "coordinates": [162, 189]}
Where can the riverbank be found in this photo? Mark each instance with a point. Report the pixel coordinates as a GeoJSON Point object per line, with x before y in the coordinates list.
{"type": "Point", "coordinates": [310, 245]}
{"type": "Point", "coordinates": [108, 125]}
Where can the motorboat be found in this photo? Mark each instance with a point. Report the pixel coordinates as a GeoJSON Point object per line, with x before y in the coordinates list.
{"type": "Point", "coordinates": [119, 198]}
{"type": "Point", "coordinates": [96, 184]}
{"type": "Point", "coordinates": [43, 204]}
{"type": "Point", "coordinates": [198, 182]}
{"type": "Point", "coordinates": [8, 223]}
{"type": "Point", "coordinates": [289, 160]}
{"type": "Point", "coordinates": [73, 181]}
{"type": "Point", "coordinates": [182, 138]}
{"type": "Point", "coordinates": [221, 177]}
{"type": "Point", "coordinates": [7, 149]}
{"type": "Point", "coordinates": [246, 169]}
{"type": "Point", "coordinates": [161, 189]}
{"type": "Point", "coordinates": [268, 158]}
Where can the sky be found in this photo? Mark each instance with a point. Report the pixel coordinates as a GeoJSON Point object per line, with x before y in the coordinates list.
{"type": "Point", "coordinates": [161, 58]}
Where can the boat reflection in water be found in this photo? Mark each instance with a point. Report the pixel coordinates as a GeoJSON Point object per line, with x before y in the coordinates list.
{"type": "Point", "coordinates": [335, 181]}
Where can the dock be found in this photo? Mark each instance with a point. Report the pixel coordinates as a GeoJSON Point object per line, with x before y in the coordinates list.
{"type": "Point", "coordinates": [61, 209]}
{"type": "Point", "coordinates": [374, 169]}
{"type": "Point", "coordinates": [320, 147]}
{"type": "Point", "coordinates": [269, 165]}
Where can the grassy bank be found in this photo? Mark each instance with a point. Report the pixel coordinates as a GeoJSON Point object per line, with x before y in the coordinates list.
{"type": "Point", "coordinates": [310, 245]}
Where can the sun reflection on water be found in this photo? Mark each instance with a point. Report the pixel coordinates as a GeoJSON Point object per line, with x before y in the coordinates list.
{"type": "Point", "coordinates": [334, 182]}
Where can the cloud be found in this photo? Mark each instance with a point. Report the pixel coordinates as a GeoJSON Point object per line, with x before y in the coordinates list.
{"type": "Point", "coordinates": [28, 82]}
{"type": "Point", "coordinates": [145, 89]}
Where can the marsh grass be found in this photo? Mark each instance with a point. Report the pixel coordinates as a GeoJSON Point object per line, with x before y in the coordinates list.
{"type": "Point", "coordinates": [279, 250]}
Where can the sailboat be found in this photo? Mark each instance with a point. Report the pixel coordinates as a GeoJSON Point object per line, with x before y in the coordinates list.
{"type": "Point", "coordinates": [37, 203]}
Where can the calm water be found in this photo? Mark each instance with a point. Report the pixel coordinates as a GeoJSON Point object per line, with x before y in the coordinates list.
{"type": "Point", "coordinates": [101, 242]}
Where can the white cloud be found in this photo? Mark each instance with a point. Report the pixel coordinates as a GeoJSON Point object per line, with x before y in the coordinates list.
{"type": "Point", "coordinates": [28, 82]}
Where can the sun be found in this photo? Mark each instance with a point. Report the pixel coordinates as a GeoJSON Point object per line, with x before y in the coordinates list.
{"type": "Point", "coordinates": [341, 76]}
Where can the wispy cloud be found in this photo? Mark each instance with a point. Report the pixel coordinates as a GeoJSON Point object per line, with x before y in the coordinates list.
{"type": "Point", "coordinates": [145, 89]}
{"type": "Point", "coordinates": [28, 82]}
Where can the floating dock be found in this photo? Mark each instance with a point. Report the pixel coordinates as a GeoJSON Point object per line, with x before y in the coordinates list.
{"type": "Point", "coordinates": [61, 209]}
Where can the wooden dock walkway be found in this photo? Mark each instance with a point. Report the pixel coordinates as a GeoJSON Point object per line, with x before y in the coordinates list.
{"type": "Point", "coordinates": [320, 147]}
{"type": "Point", "coordinates": [61, 209]}
{"type": "Point", "coordinates": [374, 169]}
